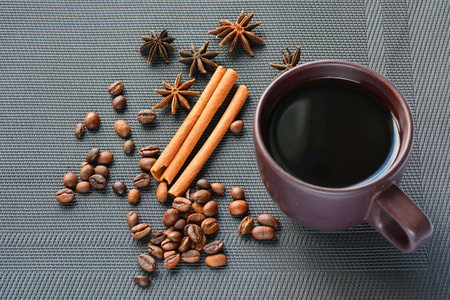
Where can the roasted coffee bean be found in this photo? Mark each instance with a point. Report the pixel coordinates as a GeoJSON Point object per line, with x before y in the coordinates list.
{"type": "Point", "coordinates": [201, 196]}
{"type": "Point", "coordinates": [102, 170]}
{"type": "Point", "coordinates": [210, 208]}
{"type": "Point", "coordinates": [268, 220]}
{"type": "Point", "coordinates": [158, 237]}
{"type": "Point", "coordinates": [119, 102]}
{"type": "Point", "coordinates": [79, 130]}
{"type": "Point", "coordinates": [142, 281]}
{"type": "Point", "coordinates": [196, 218]}
{"type": "Point", "coordinates": [149, 151]}
{"type": "Point", "coordinates": [116, 88]}
{"type": "Point", "coordinates": [182, 204]}
{"type": "Point", "coordinates": [70, 180]}
{"type": "Point", "coordinates": [141, 230]}
{"type": "Point", "coordinates": [146, 163]}
{"type": "Point", "coordinates": [84, 163]}
{"type": "Point", "coordinates": [216, 260]}
{"type": "Point", "coordinates": [128, 147]}
{"type": "Point", "coordinates": [246, 225]}
{"type": "Point", "coordinates": [237, 126]}
{"type": "Point", "coordinates": [142, 180]}
{"type": "Point", "coordinates": [263, 233]}
{"type": "Point", "coordinates": [92, 120]}
{"type": "Point", "coordinates": [122, 128]}
{"type": "Point", "coordinates": [105, 158]}
{"type": "Point", "coordinates": [92, 155]}
{"type": "Point", "coordinates": [237, 193]}
{"type": "Point", "coordinates": [191, 256]}
{"type": "Point", "coordinates": [172, 261]}
{"type": "Point", "coordinates": [179, 225]}
{"type": "Point", "coordinates": [184, 245]}
{"type": "Point", "coordinates": [171, 216]}
{"type": "Point", "coordinates": [185, 229]}
{"type": "Point", "coordinates": [210, 226]}
{"type": "Point", "coordinates": [189, 193]}
{"type": "Point", "coordinates": [168, 245]}
{"type": "Point", "coordinates": [97, 181]}
{"type": "Point", "coordinates": [86, 172]}
{"type": "Point", "coordinates": [218, 188]}
{"type": "Point", "coordinates": [119, 188]}
{"type": "Point", "coordinates": [199, 246]}
{"type": "Point", "coordinates": [185, 215]}
{"type": "Point", "coordinates": [214, 247]}
{"type": "Point", "coordinates": [195, 233]}
{"type": "Point", "coordinates": [197, 207]}
{"type": "Point", "coordinates": [238, 207]}
{"type": "Point", "coordinates": [146, 116]}
{"type": "Point", "coordinates": [65, 195]}
{"type": "Point", "coordinates": [146, 262]}
{"type": "Point", "coordinates": [155, 251]}
{"type": "Point", "coordinates": [203, 184]}
{"type": "Point", "coordinates": [169, 253]}
{"type": "Point", "coordinates": [175, 236]}
{"type": "Point", "coordinates": [169, 230]}
{"type": "Point", "coordinates": [134, 195]}
{"type": "Point", "coordinates": [83, 187]}
{"type": "Point", "coordinates": [132, 219]}
{"type": "Point", "coordinates": [161, 192]}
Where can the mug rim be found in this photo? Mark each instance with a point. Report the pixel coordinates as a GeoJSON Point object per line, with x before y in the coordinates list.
{"type": "Point", "coordinates": [398, 163]}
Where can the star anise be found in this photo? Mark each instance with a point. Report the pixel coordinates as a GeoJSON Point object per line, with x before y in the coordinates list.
{"type": "Point", "coordinates": [198, 60]}
{"type": "Point", "coordinates": [290, 61]}
{"type": "Point", "coordinates": [157, 45]}
{"type": "Point", "coordinates": [239, 31]}
{"type": "Point", "coordinates": [176, 94]}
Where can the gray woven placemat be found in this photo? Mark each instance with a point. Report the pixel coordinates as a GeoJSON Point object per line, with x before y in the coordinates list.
{"type": "Point", "coordinates": [57, 59]}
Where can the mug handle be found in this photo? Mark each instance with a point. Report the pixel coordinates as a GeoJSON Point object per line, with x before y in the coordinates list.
{"type": "Point", "coordinates": [400, 220]}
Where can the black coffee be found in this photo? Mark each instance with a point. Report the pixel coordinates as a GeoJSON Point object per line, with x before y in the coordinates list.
{"type": "Point", "coordinates": [331, 133]}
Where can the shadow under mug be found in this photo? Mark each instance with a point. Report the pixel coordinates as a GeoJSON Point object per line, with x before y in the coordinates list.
{"type": "Point", "coordinates": [379, 201]}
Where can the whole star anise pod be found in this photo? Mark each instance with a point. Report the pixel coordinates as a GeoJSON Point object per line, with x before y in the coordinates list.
{"type": "Point", "coordinates": [157, 45]}
{"type": "Point", "coordinates": [176, 95]}
{"type": "Point", "coordinates": [290, 61]}
{"type": "Point", "coordinates": [198, 60]}
{"type": "Point", "coordinates": [239, 31]}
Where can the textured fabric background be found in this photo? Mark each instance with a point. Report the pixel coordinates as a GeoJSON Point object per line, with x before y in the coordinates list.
{"type": "Point", "coordinates": [57, 59]}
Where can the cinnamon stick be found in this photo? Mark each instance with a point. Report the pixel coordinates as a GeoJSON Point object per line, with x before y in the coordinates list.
{"type": "Point", "coordinates": [172, 148]}
{"type": "Point", "coordinates": [192, 170]}
{"type": "Point", "coordinates": [203, 121]}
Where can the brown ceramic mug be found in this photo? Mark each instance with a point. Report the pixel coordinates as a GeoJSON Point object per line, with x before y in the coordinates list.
{"type": "Point", "coordinates": [378, 201]}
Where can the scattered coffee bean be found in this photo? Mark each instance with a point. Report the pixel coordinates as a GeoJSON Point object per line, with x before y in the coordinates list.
{"type": "Point", "coordinates": [146, 116]}
{"type": "Point", "coordinates": [246, 225]}
{"type": "Point", "coordinates": [92, 120]}
{"type": "Point", "coordinates": [168, 245]}
{"type": "Point", "coordinates": [185, 215]}
{"type": "Point", "coordinates": [116, 88]}
{"type": "Point", "coordinates": [84, 163]}
{"type": "Point", "coordinates": [149, 151]}
{"type": "Point", "coordinates": [169, 230]}
{"type": "Point", "coordinates": [141, 230]}
{"type": "Point", "coordinates": [105, 158]}
{"type": "Point", "coordinates": [238, 207]}
{"type": "Point", "coordinates": [191, 256]}
{"type": "Point", "coordinates": [155, 251]}
{"type": "Point", "coordinates": [263, 233]}
{"type": "Point", "coordinates": [97, 181]}
{"type": "Point", "coordinates": [237, 193]}
{"type": "Point", "coordinates": [237, 126]}
{"type": "Point", "coordinates": [79, 130]}
{"type": "Point", "coordinates": [216, 260]}
{"type": "Point", "coordinates": [210, 226]}
{"type": "Point", "coordinates": [132, 219]}
{"type": "Point", "coordinates": [172, 261]}
{"type": "Point", "coordinates": [146, 262]}
{"type": "Point", "coordinates": [182, 204]}
{"type": "Point", "coordinates": [203, 184]}
{"type": "Point", "coordinates": [83, 187]}
{"type": "Point", "coordinates": [201, 196]}
{"type": "Point", "coordinates": [128, 147]}
{"type": "Point", "coordinates": [122, 128]}
{"type": "Point", "coordinates": [65, 195]}
{"type": "Point", "coordinates": [92, 155]}
{"type": "Point", "coordinates": [169, 253]}
{"type": "Point", "coordinates": [175, 236]}
{"type": "Point", "coordinates": [196, 218]}
{"type": "Point", "coordinates": [189, 193]}
{"type": "Point", "coordinates": [179, 225]}
{"type": "Point", "coordinates": [214, 247]}
{"type": "Point", "coordinates": [197, 207]}
{"type": "Point", "coordinates": [170, 217]}
{"type": "Point", "coordinates": [218, 188]}
{"type": "Point", "coordinates": [119, 102]}
{"type": "Point", "coordinates": [268, 220]}
{"type": "Point", "coordinates": [70, 180]}
{"type": "Point", "coordinates": [119, 188]}
{"type": "Point", "coordinates": [102, 170]}
{"type": "Point", "coordinates": [195, 233]}
{"type": "Point", "coordinates": [210, 208]}
{"type": "Point", "coordinates": [158, 237]}
{"type": "Point", "coordinates": [134, 195]}
{"type": "Point", "coordinates": [146, 163]}
{"type": "Point", "coordinates": [142, 180]}
{"type": "Point", "coordinates": [142, 281]}
{"type": "Point", "coordinates": [86, 172]}
{"type": "Point", "coordinates": [199, 246]}
{"type": "Point", "coordinates": [161, 192]}
{"type": "Point", "coordinates": [184, 245]}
